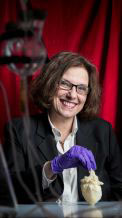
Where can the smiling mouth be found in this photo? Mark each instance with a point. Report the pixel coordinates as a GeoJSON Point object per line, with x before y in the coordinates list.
{"type": "Point", "coordinates": [68, 104]}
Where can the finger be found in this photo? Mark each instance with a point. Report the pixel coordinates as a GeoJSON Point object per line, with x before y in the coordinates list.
{"type": "Point", "coordinates": [92, 160]}
{"type": "Point", "coordinates": [84, 158]}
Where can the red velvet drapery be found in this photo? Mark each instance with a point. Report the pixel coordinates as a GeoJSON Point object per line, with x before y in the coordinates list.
{"type": "Point", "coordinates": [91, 27]}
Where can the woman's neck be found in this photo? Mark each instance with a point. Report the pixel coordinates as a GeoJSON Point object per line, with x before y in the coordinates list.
{"type": "Point", "coordinates": [64, 125]}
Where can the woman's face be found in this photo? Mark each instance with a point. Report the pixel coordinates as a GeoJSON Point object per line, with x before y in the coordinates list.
{"type": "Point", "coordinates": [68, 103]}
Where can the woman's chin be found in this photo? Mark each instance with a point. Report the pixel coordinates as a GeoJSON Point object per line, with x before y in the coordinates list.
{"type": "Point", "coordinates": [67, 114]}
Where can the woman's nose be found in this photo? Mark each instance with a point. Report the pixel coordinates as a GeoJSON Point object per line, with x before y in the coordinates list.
{"type": "Point", "coordinates": [72, 92]}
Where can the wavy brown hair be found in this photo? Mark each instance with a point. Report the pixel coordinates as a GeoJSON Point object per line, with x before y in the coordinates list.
{"type": "Point", "coordinates": [43, 87]}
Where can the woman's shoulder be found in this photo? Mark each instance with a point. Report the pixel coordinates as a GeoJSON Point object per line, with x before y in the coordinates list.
{"type": "Point", "coordinates": [97, 122]}
{"type": "Point", "coordinates": [101, 121]}
{"type": "Point", "coordinates": [19, 121]}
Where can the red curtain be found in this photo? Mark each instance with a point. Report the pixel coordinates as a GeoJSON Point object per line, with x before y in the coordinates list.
{"type": "Point", "coordinates": [91, 27]}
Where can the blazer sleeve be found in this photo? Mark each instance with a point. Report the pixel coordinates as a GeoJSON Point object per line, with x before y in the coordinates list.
{"type": "Point", "coordinates": [23, 177]}
{"type": "Point", "coordinates": [25, 170]}
{"type": "Point", "coordinates": [115, 166]}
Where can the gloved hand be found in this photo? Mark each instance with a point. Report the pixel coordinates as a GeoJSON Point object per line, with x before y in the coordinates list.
{"type": "Point", "coordinates": [74, 157]}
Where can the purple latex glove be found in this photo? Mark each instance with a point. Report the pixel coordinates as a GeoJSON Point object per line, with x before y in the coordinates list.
{"type": "Point", "coordinates": [74, 157]}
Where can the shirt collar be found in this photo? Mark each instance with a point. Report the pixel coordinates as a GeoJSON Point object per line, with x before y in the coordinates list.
{"type": "Point", "coordinates": [58, 133]}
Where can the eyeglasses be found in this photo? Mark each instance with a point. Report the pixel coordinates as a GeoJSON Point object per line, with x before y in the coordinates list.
{"type": "Point", "coordinates": [81, 89]}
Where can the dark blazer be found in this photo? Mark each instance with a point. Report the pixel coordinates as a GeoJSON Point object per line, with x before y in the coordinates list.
{"type": "Point", "coordinates": [96, 135]}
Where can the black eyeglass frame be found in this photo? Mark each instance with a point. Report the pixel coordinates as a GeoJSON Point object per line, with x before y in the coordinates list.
{"type": "Point", "coordinates": [84, 91]}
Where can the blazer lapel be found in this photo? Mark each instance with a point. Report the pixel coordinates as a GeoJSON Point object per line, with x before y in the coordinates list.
{"type": "Point", "coordinates": [45, 140]}
{"type": "Point", "coordinates": [83, 137]}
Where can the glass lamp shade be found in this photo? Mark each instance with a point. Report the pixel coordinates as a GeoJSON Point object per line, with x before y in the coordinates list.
{"type": "Point", "coordinates": [29, 51]}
